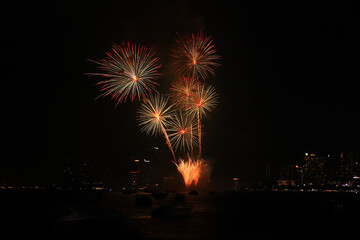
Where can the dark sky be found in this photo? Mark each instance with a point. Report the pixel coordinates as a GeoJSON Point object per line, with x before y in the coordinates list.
{"type": "Point", "coordinates": [287, 84]}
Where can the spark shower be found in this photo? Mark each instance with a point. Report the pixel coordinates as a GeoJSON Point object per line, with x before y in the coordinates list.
{"type": "Point", "coordinates": [131, 71]}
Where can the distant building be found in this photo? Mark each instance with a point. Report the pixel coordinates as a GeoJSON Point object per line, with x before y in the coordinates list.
{"type": "Point", "coordinates": [99, 179]}
{"type": "Point", "coordinates": [331, 169]}
{"type": "Point", "coordinates": [146, 173]}
{"type": "Point", "coordinates": [141, 173]}
{"type": "Point", "coordinates": [86, 176]}
{"type": "Point", "coordinates": [153, 169]}
{"type": "Point", "coordinates": [344, 169]}
{"type": "Point", "coordinates": [235, 185]}
{"type": "Point", "coordinates": [287, 175]}
{"type": "Point", "coordinates": [348, 169]}
{"type": "Point", "coordinates": [268, 172]}
{"type": "Point", "coordinates": [355, 163]}
{"type": "Point", "coordinates": [286, 182]}
{"type": "Point", "coordinates": [354, 159]}
{"type": "Point", "coordinates": [312, 170]}
{"type": "Point", "coordinates": [134, 172]}
{"type": "Point", "coordinates": [68, 177]}
{"type": "Point", "coordinates": [159, 163]}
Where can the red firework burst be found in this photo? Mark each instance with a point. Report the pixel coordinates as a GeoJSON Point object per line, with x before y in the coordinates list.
{"type": "Point", "coordinates": [194, 57]}
{"type": "Point", "coordinates": [132, 71]}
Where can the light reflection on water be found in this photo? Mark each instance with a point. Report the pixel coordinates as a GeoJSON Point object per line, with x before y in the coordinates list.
{"type": "Point", "coordinates": [199, 225]}
{"type": "Point", "coordinates": [228, 215]}
{"type": "Point", "coordinates": [140, 217]}
{"type": "Point", "coordinates": [248, 215]}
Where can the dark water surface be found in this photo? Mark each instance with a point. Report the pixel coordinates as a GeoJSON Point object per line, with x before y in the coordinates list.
{"type": "Point", "coordinates": [247, 215]}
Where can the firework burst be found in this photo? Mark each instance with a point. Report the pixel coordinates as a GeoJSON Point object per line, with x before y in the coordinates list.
{"type": "Point", "coordinates": [191, 170]}
{"type": "Point", "coordinates": [195, 56]}
{"type": "Point", "coordinates": [131, 72]}
{"type": "Point", "coordinates": [204, 99]}
{"type": "Point", "coordinates": [182, 90]}
{"type": "Point", "coordinates": [181, 128]}
{"type": "Point", "coordinates": [154, 116]}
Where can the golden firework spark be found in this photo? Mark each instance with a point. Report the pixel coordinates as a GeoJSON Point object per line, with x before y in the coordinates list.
{"type": "Point", "coordinates": [154, 115]}
{"type": "Point", "coordinates": [203, 100]}
{"type": "Point", "coordinates": [181, 129]}
{"type": "Point", "coordinates": [131, 71]}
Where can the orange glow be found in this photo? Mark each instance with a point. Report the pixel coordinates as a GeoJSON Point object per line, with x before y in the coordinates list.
{"type": "Point", "coordinates": [157, 116]}
{"type": "Point", "coordinates": [200, 103]}
{"type": "Point", "coordinates": [134, 78]}
{"type": "Point", "coordinates": [183, 131]}
{"type": "Point", "coordinates": [191, 170]}
{"type": "Point", "coordinates": [194, 62]}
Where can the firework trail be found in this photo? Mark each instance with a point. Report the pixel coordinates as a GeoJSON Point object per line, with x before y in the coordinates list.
{"type": "Point", "coordinates": [203, 100]}
{"type": "Point", "coordinates": [180, 131]}
{"type": "Point", "coordinates": [194, 57]}
{"type": "Point", "coordinates": [131, 72]}
{"type": "Point", "coordinates": [191, 170]}
{"type": "Point", "coordinates": [154, 115]}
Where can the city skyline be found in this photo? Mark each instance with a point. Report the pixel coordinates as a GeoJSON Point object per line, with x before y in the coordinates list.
{"type": "Point", "coordinates": [317, 170]}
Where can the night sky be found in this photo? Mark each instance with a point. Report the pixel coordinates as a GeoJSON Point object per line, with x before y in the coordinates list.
{"type": "Point", "coordinates": [287, 84]}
